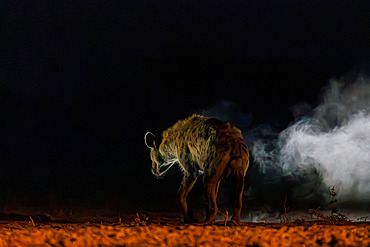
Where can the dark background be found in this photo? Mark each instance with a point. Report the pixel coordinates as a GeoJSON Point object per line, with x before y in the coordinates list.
{"type": "Point", "coordinates": [82, 81]}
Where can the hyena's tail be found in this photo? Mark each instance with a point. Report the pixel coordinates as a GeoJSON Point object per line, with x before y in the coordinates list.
{"type": "Point", "coordinates": [239, 162]}
{"type": "Point", "coordinates": [244, 155]}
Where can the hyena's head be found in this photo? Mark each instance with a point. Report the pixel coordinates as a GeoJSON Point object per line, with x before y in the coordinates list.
{"type": "Point", "coordinates": [155, 156]}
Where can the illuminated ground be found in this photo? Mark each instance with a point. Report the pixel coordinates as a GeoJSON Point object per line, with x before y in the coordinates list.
{"type": "Point", "coordinates": [139, 230]}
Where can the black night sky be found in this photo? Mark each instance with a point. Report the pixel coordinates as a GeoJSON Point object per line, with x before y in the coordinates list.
{"type": "Point", "coordinates": [82, 81]}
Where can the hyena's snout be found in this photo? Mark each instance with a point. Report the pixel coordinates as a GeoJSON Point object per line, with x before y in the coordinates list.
{"type": "Point", "coordinates": [156, 171]}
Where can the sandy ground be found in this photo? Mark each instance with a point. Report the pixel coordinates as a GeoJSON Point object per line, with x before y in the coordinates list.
{"type": "Point", "coordinates": [139, 231]}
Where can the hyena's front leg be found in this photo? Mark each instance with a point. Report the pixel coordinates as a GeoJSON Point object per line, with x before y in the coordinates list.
{"type": "Point", "coordinates": [187, 183]}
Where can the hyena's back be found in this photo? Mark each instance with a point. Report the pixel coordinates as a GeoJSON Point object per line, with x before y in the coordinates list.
{"type": "Point", "coordinates": [203, 140]}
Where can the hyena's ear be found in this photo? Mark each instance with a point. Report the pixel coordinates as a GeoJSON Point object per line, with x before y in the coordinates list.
{"type": "Point", "coordinates": [154, 146]}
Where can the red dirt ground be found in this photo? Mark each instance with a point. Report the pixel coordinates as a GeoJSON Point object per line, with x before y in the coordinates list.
{"type": "Point", "coordinates": [143, 231]}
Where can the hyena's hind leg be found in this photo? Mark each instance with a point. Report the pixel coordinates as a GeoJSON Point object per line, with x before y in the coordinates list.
{"type": "Point", "coordinates": [212, 185]}
{"type": "Point", "coordinates": [238, 174]}
{"type": "Point", "coordinates": [211, 196]}
{"type": "Point", "coordinates": [187, 184]}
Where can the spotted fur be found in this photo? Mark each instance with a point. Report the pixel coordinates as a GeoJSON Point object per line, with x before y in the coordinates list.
{"type": "Point", "coordinates": [203, 145]}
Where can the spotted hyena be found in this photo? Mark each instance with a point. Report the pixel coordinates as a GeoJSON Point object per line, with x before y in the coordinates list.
{"type": "Point", "coordinates": [203, 145]}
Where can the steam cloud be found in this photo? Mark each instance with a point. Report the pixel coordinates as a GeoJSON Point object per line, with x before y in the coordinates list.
{"type": "Point", "coordinates": [324, 147]}
{"type": "Point", "coordinates": [332, 144]}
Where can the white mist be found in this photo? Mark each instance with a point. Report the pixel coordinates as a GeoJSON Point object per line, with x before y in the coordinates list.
{"type": "Point", "coordinates": [341, 155]}
{"type": "Point", "coordinates": [335, 141]}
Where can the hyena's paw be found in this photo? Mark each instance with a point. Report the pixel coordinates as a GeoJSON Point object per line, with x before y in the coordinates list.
{"type": "Point", "coordinates": [190, 220]}
{"type": "Point", "coordinates": [209, 221]}
{"type": "Point", "coordinates": [235, 223]}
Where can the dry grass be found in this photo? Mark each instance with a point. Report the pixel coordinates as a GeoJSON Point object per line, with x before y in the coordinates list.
{"type": "Point", "coordinates": [141, 232]}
